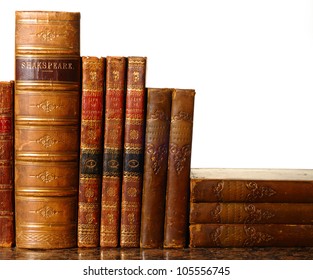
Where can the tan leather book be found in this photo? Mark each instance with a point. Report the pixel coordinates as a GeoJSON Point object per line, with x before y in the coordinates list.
{"type": "Point", "coordinates": [133, 151]}
{"type": "Point", "coordinates": [178, 175]}
{"type": "Point", "coordinates": [251, 185]}
{"type": "Point", "coordinates": [113, 151]}
{"type": "Point", "coordinates": [250, 213]}
{"type": "Point", "coordinates": [47, 121]}
{"type": "Point", "coordinates": [256, 235]}
{"type": "Point", "coordinates": [155, 167]}
{"type": "Point", "coordinates": [91, 151]}
{"type": "Point", "coordinates": [7, 232]}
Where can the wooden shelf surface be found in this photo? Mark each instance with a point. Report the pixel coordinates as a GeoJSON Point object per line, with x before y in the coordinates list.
{"type": "Point", "coordinates": [266, 253]}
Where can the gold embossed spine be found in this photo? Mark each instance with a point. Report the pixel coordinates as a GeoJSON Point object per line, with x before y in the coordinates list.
{"type": "Point", "coordinates": [91, 150]}
{"type": "Point", "coordinates": [178, 175]}
{"type": "Point", "coordinates": [47, 120]}
{"type": "Point", "coordinates": [155, 167]}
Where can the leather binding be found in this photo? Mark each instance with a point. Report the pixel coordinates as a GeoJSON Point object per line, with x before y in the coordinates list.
{"type": "Point", "coordinates": [251, 185]}
{"type": "Point", "coordinates": [255, 235]}
{"type": "Point", "coordinates": [250, 213]}
{"type": "Point", "coordinates": [113, 151]}
{"type": "Point", "coordinates": [133, 152]}
{"type": "Point", "coordinates": [155, 167]}
{"type": "Point", "coordinates": [178, 175]}
{"type": "Point", "coordinates": [91, 151]}
{"type": "Point", "coordinates": [7, 233]}
{"type": "Point", "coordinates": [47, 120]}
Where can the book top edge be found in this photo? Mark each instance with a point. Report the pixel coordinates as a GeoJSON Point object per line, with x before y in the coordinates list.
{"type": "Point", "coordinates": [251, 174]}
{"type": "Point", "coordinates": [47, 15]}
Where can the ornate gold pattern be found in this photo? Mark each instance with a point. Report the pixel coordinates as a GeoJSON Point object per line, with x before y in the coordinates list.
{"type": "Point", "coordinates": [183, 116]}
{"type": "Point", "coordinates": [157, 155]}
{"type": "Point", "coordinates": [47, 106]}
{"type": "Point", "coordinates": [45, 177]}
{"type": "Point", "coordinates": [47, 141]}
{"type": "Point", "coordinates": [49, 35]}
{"type": "Point", "coordinates": [258, 192]}
{"type": "Point", "coordinates": [46, 212]}
{"type": "Point", "coordinates": [181, 155]}
{"type": "Point", "coordinates": [254, 238]}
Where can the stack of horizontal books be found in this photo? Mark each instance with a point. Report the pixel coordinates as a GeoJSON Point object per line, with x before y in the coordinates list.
{"type": "Point", "coordinates": [251, 207]}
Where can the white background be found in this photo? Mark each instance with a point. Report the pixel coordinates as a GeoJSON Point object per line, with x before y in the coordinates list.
{"type": "Point", "coordinates": [250, 62]}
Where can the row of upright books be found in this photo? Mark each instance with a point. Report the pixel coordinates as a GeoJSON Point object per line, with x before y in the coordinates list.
{"type": "Point", "coordinates": [98, 157]}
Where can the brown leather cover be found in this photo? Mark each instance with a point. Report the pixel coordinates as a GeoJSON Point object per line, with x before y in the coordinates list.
{"type": "Point", "coordinates": [91, 151]}
{"type": "Point", "coordinates": [133, 152]}
{"type": "Point", "coordinates": [257, 235]}
{"type": "Point", "coordinates": [113, 151]}
{"type": "Point", "coordinates": [155, 167]}
{"type": "Point", "coordinates": [7, 234]}
{"type": "Point", "coordinates": [178, 175]}
{"type": "Point", "coordinates": [47, 118]}
{"type": "Point", "coordinates": [251, 185]}
{"type": "Point", "coordinates": [250, 213]}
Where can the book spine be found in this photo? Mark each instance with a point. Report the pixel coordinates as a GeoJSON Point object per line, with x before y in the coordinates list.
{"type": "Point", "coordinates": [7, 234]}
{"type": "Point", "coordinates": [47, 119]}
{"type": "Point", "coordinates": [155, 167]}
{"type": "Point", "coordinates": [205, 190]}
{"type": "Point", "coordinates": [178, 175]}
{"type": "Point", "coordinates": [251, 213]}
{"type": "Point", "coordinates": [257, 235]}
{"type": "Point", "coordinates": [113, 151]}
{"type": "Point", "coordinates": [91, 152]}
{"type": "Point", "coordinates": [133, 152]}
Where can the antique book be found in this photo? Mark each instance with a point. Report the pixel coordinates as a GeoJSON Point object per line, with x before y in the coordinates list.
{"type": "Point", "coordinates": [251, 185]}
{"type": "Point", "coordinates": [47, 121]}
{"type": "Point", "coordinates": [255, 235]}
{"type": "Point", "coordinates": [133, 152]}
{"type": "Point", "coordinates": [158, 121]}
{"type": "Point", "coordinates": [7, 232]}
{"type": "Point", "coordinates": [250, 213]}
{"type": "Point", "coordinates": [113, 151]}
{"type": "Point", "coordinates": [91, 151]}
{"type": "Point", "coordinates": [178, 175]}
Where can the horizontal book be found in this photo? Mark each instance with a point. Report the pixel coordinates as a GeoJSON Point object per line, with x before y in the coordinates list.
{"type": "Point", "coordinates": [251, 185]}
{"type": "Point", "coordinates": [257, 235]}
{"type": "Point", "coordinates": [251, 213]}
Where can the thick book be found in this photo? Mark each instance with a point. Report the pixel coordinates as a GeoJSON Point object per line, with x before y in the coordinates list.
{"type": "Point", "coordinates": [251, 185]}
{"type": "Point", "coordinates": [133, 152]}
{"type": "Point", "coordinates": [113, 151]}
{"type": "Point", "coordinates": [250, 213]}
{"type": "Point", "coordinates": [178, 175]}
{"type": "Point", "coordinates": [91, 151]}
{"type": "Point", "coordinates": [256, 235]}
{"type": "Point", "coordinates": [158, 122]}
{"type": "Point", "coordinates": [7, 232]}
{"type": "Point", "coordinates": [47, 121]}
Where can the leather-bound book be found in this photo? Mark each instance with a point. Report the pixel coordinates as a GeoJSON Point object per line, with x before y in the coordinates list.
{"type": "Point", "coordinates": [251, 185]}
{"type": "Point", "coordinates": [7, 237]}
{"type": "Point", "coordinates": [250, 213]}
{"type": "Point", "coordinates": [155, 167]}
{"type": "Point", "coordinates": [47, 122]}
{"type": "Point", "coordinates": [91, 151]}
{"type": "Point", "coordinates": [256, 235]}
{"type": "Point", "coordinates": [113, 151]}
{"type": "Point", "coordinates": [133, 152]}
{"type": "Point", "coordinates": [178, 175]}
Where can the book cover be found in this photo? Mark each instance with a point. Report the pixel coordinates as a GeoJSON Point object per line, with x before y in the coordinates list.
{"type": "Point", "coordinates": [133, 152]}
{"type": "Point", "coordinates": [250, 213]}
{"type": "Point", "coordinates": [251, 185]}
{"type": "Point", "coordinates": [47, 120]}
{"type": "Point", "coordinates": [178, 175]}
{"type": "Point", "coordinates": [158, 122]}
{"type": "Point", "coordinates": [113, 151]}
{"type": "Point", "coordinates": [256, 235]}
{"type": "Point", "coordinates": [91, 151]}
{"type": "Point", "coordinates": [7, 232]}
